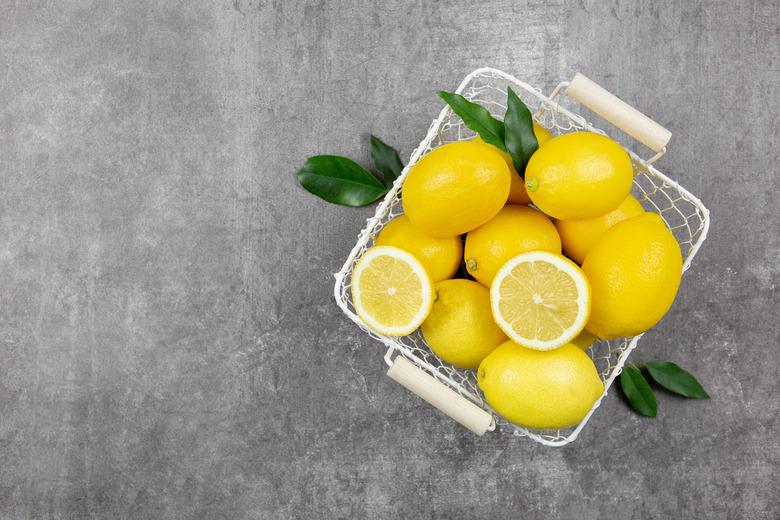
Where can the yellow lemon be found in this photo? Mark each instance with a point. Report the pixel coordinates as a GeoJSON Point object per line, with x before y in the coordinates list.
{"type": "Point", "coordinates": [391, 291]}
{"type": "Point", "coordinates": [517, 192]}
{"type": "Point", "coordinates": [542, 134]}
{"type": "Point", "coordinates": [455, 188]}
{"type": "Point", "coordinates": [515, 230]}
{"type": "Point", "coordinates": [440, 256]}
{"type": "Point", "coordinates": [579, 235]}
{"type": "Point", "coordinates": [540, 300]}
{"type": "Point", "coordinates": [578, 175]}
{"type": "Point", "coordinates": [540, 390]}
{"type": "Point", "coordinates": [584, 340]}
{"type": "Point", "coordinates": [634, 272]}
{"type": "Point", "coordinates": [460, 328]}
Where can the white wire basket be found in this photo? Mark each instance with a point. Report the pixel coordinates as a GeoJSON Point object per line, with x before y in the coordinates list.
{"type": "Point", "coordinates": [453, 390]}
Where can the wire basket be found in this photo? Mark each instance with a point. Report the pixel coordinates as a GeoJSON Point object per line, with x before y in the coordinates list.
{"type": "Point", "coordinates": [685, 215]}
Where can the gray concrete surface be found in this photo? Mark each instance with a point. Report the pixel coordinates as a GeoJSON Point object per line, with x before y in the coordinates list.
{"type": "Point", "coordinates": [169, 346]}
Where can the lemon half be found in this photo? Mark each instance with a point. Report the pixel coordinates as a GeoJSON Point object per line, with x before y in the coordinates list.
{"type": "Point", "coordinates": [540, 300]}
{"type": "Point", "coordinates": [391, 291]}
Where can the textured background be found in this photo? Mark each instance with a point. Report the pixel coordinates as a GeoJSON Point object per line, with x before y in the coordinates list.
{"type": "Point", "coordinates": [169, 345]}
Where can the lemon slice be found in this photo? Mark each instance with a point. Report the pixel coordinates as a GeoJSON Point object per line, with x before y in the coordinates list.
{"type": "Point", "coordinates": [391, 291]}
{"type": "Point", "coordinates": [540, 300]}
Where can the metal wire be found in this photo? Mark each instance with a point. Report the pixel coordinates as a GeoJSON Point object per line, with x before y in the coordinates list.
{"type": "Point", "coordinates": [685, 215]}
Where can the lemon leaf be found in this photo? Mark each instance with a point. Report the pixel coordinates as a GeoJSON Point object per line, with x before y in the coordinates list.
{"type": "Point", "coordinates": [339, 180]}
{"type": "Point", "coordinates": [675, 379]}
{"type": "Point", "coordinates": [386, 161]}
{"type": "Point", "coordinates": [638, 392]}
{"type": "Point", "coordinates": [519, 136]}
{"type": "Point", "coordinates": [477, 118]}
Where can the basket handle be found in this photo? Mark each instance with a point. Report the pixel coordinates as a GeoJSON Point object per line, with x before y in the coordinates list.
{"type": "Point", "coordinates": [416, 380]}
{"type": "Point", "coordinates": [619, 113]}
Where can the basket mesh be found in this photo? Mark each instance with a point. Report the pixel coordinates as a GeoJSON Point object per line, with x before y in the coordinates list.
{"type": "Point", "coordinates": [684, 214]}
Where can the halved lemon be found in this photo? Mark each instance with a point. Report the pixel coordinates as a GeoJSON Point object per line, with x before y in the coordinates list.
{"type": "Point", "coordinates": [391, 291]}
{"type": "Point", "coordinates": [540, 300]}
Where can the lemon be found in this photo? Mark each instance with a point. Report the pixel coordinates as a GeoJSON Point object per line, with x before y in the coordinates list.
{"type": "Point", "coordinates": [517, 192]}
{"type": "Point", "coordinates": [578, 175]}
{"type": "Point", "coordinates": [578, 236]}
{"type": "Point", "coordinates": [460, 328]}
{"type": "Point", "coordinates": [634, 271]}
{"type": "Point", "coordinates": [440, 256]}
{"type": "Point", "coordinates": [584, 340]}
{"type": "Point", "coordinates": [515, 230]}
{"type": "Point", "coordinates": [391, 291]}
{"type": "Point", "coordinates": [540, 390]}
{"type": "Point", "coordinates": [542, 134]}
{"type": "Point", "coordinates": [540, 300]}
{"type": "Point", "coordinates": [455, 188]}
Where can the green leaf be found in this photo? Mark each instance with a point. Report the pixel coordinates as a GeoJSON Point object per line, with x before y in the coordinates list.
{"type": "Point", "coordinates": [519, 136]}
{"type": "Point", "coordinates": [386, 161]}
{"type": "Point", "coordinates": [638, 392]}
{"type": "Point", "coordinates": [476, 117]}
{"type": "Point", "coordinates": [675, 379]}
{"type": "Point", "coordinates": [340, 180]}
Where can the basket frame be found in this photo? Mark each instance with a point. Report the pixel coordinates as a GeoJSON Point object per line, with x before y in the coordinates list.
{"type": "Point", "coordinates": [545, 105]}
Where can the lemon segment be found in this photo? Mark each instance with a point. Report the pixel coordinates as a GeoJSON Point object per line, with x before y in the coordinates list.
{"type": "Point", "coordinates": [540, 300]}
{"type": "Point", "coordinates": [391, 291]}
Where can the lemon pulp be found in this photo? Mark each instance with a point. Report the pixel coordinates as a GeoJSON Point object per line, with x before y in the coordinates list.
{"type": "Point", "coordinates": [391, 291]}
{"type": "Point", "coordinates": [540, 300]}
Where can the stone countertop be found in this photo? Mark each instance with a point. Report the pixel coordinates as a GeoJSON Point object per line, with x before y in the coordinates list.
{"type": "Point", "coordinates": [169, 344]}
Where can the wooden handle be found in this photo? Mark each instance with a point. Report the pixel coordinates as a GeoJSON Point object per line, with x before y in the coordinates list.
{"type": "Point", "coordinates": [408, 375]}
{"type": "Point", "coordinates": [619, 113]}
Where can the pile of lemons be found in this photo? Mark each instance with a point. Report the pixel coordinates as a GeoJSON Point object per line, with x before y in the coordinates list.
{"type": "Point", "coordinates": [547, 264]}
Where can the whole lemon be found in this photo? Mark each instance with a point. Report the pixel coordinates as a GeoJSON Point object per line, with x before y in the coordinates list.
{"type": "Point", "coordinates": [517, 192]}
{"type": "Point", "coordinates": [540, 389]}
{"type": "Point", "coordinates": [579, 235]}
{"type": "Point", "coordinates": [440, 256]}
{"type": "Point", "coordinates": [578, 175]}
{"type": "Point", "coordinates": [515, 230]}
{"type": "Point", "coordinates": [460, 328]}
{"type": "Point", "coordinates": [584, 340]}
{"type": "Point", "coordinates": [542, 134]}
{"type": "Point", "coordinates": [634, 272]}
{"type": "Point", "coordinates": [455, 188]}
